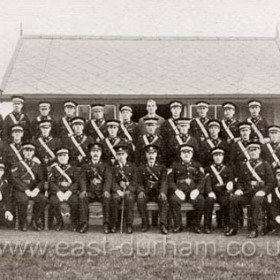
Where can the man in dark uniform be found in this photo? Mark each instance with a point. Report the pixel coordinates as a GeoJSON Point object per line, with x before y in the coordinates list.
{"type": "Point", "coordinates": [255, 182]}
{"type": "Point", "coordinates": [229, 124]}
{"type": "Point", "coordinates": [5, 196]}
{"type": "Point", "coordinates": [169, 127]}
{"type": "Point", "coordinates": [44, 110]}
{"type": "Point", "coordinates": [152, 186]}
{"type": "Point", "coordinates": [151, 113]}
{"type": "Point", "coordinates": [112, 140]}
{"type": "Point", "coordinates": [275, 203]}
{"type": "Point", "coordinates": [96, 184]}
{"type": "Point", "coordinates": [28, 182]}
{"type": "Point", "coordinates": [150, 138]}
{"type": "Point", "coordinates": [64, 124]}
{"type": "Point", "coordinates": [78, 142]}
{"type": "Point", "coordinates": [198, 127]}
{"type": "Point", "coordinates": [128, 128]}
{"type": "Point", "coordinates": [259, 123]}
{"type": "Point", "coordinates": [183, 137]}
{"type": "Point", "coordinates": [16, 117]}
{"type": "Point", "coordinates": [64, 184]}
{"type": "Point", "coordinates": [124, 188]}
{"type": "Point", "coordinates": [238, 152]}
{"type": "Point", "coordinates": [218, 187]}
{"type": "Point", "coordinates": [271, 149]}
{"type": "Point", "coordinates": [213, 141]}
{"type": "Point", "coordinates": [186, 184]}
{"type": "Point", "coordinates": [96, 127]}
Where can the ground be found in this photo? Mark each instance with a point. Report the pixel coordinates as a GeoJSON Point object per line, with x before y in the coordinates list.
{"type": "Point", "coordinates": [69, 255]}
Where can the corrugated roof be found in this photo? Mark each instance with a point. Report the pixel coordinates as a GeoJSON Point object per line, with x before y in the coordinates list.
{"type": "Point", "coordinates": [157, 66]}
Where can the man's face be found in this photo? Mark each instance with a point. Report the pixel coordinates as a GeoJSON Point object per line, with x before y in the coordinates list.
{"type": "Point", "coordinates": [17, 107]}
{"type": "Point", "coordinates": [28, 153]}
{"type": "Point", "coordinates": [254, 111]}
{"type": "Point", "coordinates": [44, 111]}
{"type": "Point", "coordinates": [274, 136]}
{"type": "Point", "coordinates": [184, 128]}
{"type": "Point", "coordinates": [151, 128]}
{"type": "Point", "coordinates": [17, 135]}
{"type": "Point", "coordinates": [254, 153]}
{"type": "Point", "coordinates": [98, 114]}
{"type": "Point", "coordinates": [95, 154]}
{"type": "Point", "coordinates": [202, 111]}
{"type": "Point", "coordinates": [45, 130]}
{"type": "Point", "coordinates": [245, 133]}
{"type": "Point", "coordinates": [229, 113]}
{"type": "Point", "coordinates": [63, 158]}
{"type": "Point", "coordinates": [218, 158]}
{"type": "Point", "coordinates": [126, 115]}
{"type": "Point", "coordinates": [70, 111]}
{"type": "Point", "coordinates": [122, 156]}
{"type": "Point", "coordinates": [186, 155]}
{"type": "Point", "coordinates": [214, 131]}
{"type": "Point", "coordinates": [151, 108]}
{"type": "Point", "coordinates": [78, 128]}
{"type": "Point", "coordinates": [151, 156]}
{"type": "Point", "coordinates": [176, 111]}
{"type": "Point", "coordinates": [113, 130]}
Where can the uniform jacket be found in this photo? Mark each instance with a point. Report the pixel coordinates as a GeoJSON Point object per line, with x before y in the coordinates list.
{"type": "Point", "coordinates": [261, 124]}
{"type": "Point", "coordinates": [89, 130]}
{"type": "Point", "coordinates": [133, 130]}
{"type": "Point", "coordinates": [5, 189]}
{"type": "Point", "coordinates": [233, 127]}
{"type": "Point", "coordinates": [195, 129]}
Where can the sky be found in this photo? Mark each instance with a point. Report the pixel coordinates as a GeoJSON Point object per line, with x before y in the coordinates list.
{"type": "Point", "coordinates": [253, 18]}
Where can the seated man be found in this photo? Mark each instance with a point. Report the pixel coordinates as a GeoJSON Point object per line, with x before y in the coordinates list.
{"type": "Point", "coordinates": [96, 184]}
{"type": "Point", "coordinates": [218, 187]}
{"type": "Point", "coordinates": [5, 196]}
{"type": "Point", "coordinates": [255, 182]}
{"type": "Point", "coordinates": [123, 188]}
{"type": "Point", "coordinates": [28, 182]}
{"type": "Point", "coordinates": [63, 183]}
{"type": "Point", "coordinates": [152, 186]}
{"type": "Point", "coordinates": [186, 184]}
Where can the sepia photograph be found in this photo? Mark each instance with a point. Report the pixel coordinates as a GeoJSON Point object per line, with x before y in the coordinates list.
{"type": "Point", "coordinates": [140, 139]}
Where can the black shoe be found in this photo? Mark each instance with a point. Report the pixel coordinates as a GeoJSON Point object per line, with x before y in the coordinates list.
{"type": "Point", "coordinates": [163, 229]}
{"type": "Point", "coordinates": [24, 226]}
{"type": "Point", "coordinates": [196, 229]}
{"type": "Point", "coordinates": [113, 229]}
{"type": "Point", "coordinates": [177, 229]}
{"type": "Point", "coordinates": [36, 226]}
{"type": "Point", "coordinates": [253, 234]}
{"type": "Point", "coordinates": [231, 232]}
{"type": "Point", "coordinates": [129, 229]}
{"type": "Point", "coordinates": [207, 230]}
{"type": "Point", "coordinates": [106, 229]}
{"type": "Point", "coordinates": [59, 226]}
{"type": "Point", "coordinates": [83, 228]}
{"type": "Point", "coordinates": [74, 228]}
{"type": "Point", "coordinates": [144, 228]}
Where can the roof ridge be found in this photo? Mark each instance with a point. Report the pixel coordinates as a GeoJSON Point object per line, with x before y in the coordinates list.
{"type": "Point", "coordinates": [145, 38]}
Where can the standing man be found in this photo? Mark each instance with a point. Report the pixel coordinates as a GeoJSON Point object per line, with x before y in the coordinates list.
{"type": "Point", "coordinates": [186, 184]}
{"type": "Point", "coordinates": [255, 182]}
{"type": "Point", "coordinates": [17, 117]}
{"type": "Point", "coordinates": [28, 182]}
{"type": "Point", "coordinates": [64, 124]}
{"type": "Point", "coordinates": [259, 123]}
{"type": "Point", "coordinates": [128, 128]}
{"type": "Point", "coordinates": [44, 115]}
{"type": "Point", "coordinates": [77, 143]}
{"type": "Point", "coordinates": [169, 127]}
{"type": "Point", "coordinates": [149, 138]}
{"type": "Point", "coordinates": [124, 188]}
{"type": "Point", "coordinates": [96, 127]}
{"type": "Point", "coordinates": [96, 185]}
{"type": "Point", "coordinates": [229, 124]}
{"type": "Point", "coordinates": [151, 109]}
{"type": "Point", "coordinates": [64, 184]}
{"type": "Point", "coordinates": [152, 186]}
{"type": "Point", "coordinates": [198, 127]}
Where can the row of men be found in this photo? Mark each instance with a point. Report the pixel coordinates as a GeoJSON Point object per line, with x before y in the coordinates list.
{"type": "Point", "coordinates": [111, 184]}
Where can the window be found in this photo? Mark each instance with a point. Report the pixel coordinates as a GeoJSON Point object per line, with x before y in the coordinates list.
{"type": "Point", "coordinates": [215, 111]}
{"type": "Point", "coordinates": [85, 111]}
